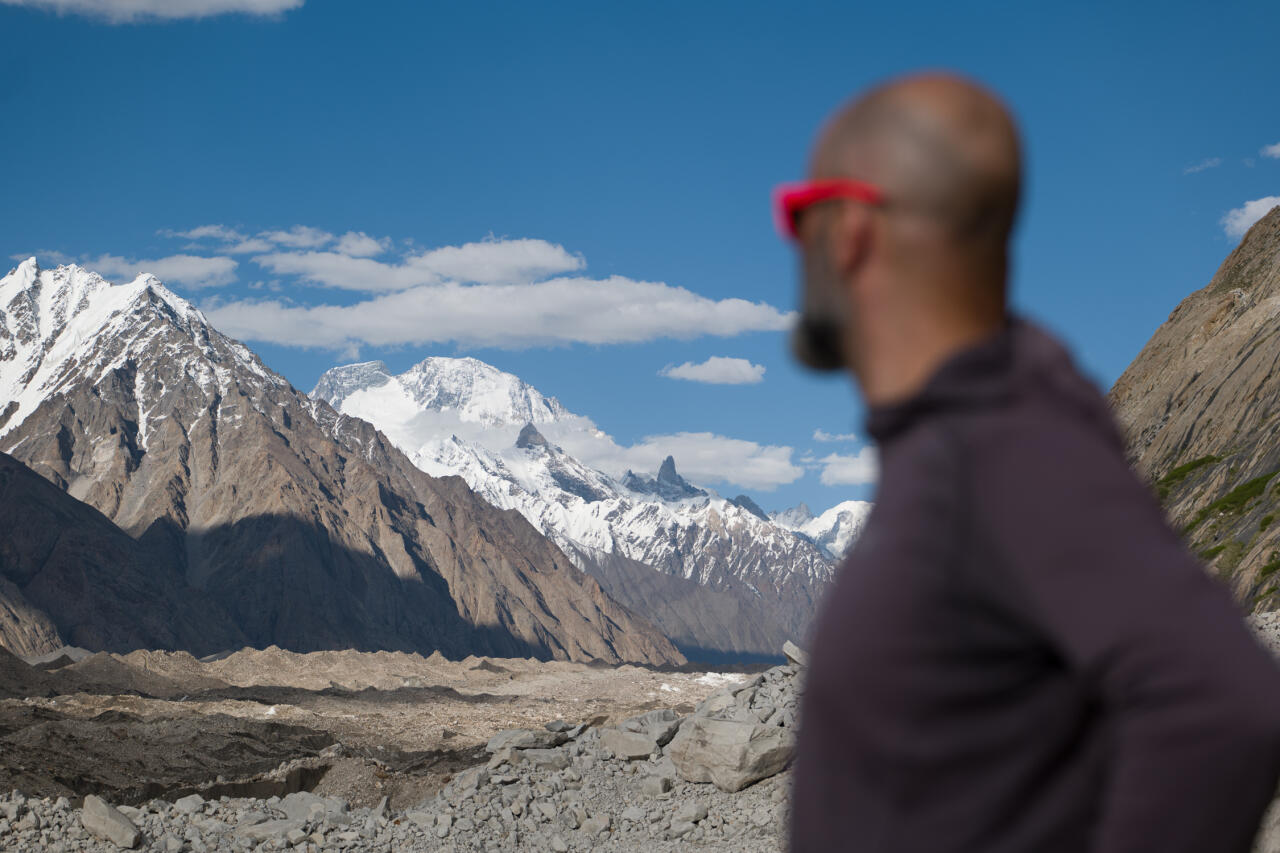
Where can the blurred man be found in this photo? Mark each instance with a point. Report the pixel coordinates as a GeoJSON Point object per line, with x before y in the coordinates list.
{"type": "Point", "coordinates": [1018, 656]}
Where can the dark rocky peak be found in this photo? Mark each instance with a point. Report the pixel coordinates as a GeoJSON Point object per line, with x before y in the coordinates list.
{"type": "Point", "coordinates": [750, 506]}
{"type": "Point", "coordinates": [669, 485]}
{"type": "Point", "coordinates": [530, 438]}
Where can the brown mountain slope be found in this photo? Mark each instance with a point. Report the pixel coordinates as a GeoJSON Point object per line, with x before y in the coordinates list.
{"type": "Point", "coordinates": [1201, 408]}
{"type": "Point", "coordinates": [83, 581]}
{"type": "Point", "coordinates": [310, 529]}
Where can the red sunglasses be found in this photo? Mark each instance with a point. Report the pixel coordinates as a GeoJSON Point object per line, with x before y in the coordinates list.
{"type": "Point", "coordinates": [790, 200]}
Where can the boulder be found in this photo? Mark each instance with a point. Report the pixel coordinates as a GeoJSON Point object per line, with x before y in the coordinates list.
{"type": "Point", "coordinates": [546, 759]}
{"type": "Point", "coordinates": [102, 820]}
{"type": "Point", "coordinates": [270, 829]}
{"type": "Point", "coordinates": [190, 804]}
{"type": "Point", "coordinates": [729, 754]}
{"type": "Point", "coordinates": [525, 739]}
{"type": "Point", "coordinates": [303, 806]}
{"type": "Point", "coordinates": [628, 746]}
{"type": "Point", "coordinates": [661, 725]}
{"type": "Point", "coordinates": [795, 654]}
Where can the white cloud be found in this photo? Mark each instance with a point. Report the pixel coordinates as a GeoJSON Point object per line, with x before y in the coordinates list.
{"type": "Point", "coordinates": [191, 270]}
{"type": "Point", "coordinates": [299, 237]}
{"type": "Point", "coordinates": [361, 245]}
{"type": "Point", "coordinates": [1271, 151]}
{"type": "Point", "coordinates": [856, 470]}
{"type": "Point", "coordinates": [704, 457]}
{"type": "Point", "coordinates": [344, 271]}
{"type": "Point", "coordinates": [512, 316]}
{"type": "Point", "coordinates": [122, 11]}
{"type": "Point", "coordinates": [248, 246]}
{"type": "Point", "coordinates": [1210, 163]}
{"type": "Point", "coordinates": [499, 261]}
{"type": "Point", "coordinates": [486, 262]}
{"type": "Point", "coordinates": [828, 437]}
{"type": "Point", "coordinates": [1236, 222]}
{"type": "Point", "coordinates": [717, 370]}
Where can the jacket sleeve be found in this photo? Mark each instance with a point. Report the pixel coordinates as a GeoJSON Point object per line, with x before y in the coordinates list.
{"type": "Point", "coordinates": [1081, 548]}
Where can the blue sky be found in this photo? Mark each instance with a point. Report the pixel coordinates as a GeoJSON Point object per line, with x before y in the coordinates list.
{"type": "Point", "coordinates": [605, 169]}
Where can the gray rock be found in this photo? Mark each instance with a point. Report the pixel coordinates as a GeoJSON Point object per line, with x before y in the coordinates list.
{"type": "Point", "coordinates": [635, 814]}
{"type": "Point", "coordinates": [693, 812]}
{"type": "Point", "coordinates": [270, 829]}
{"type": "Point", "coordinates": [655, 785]}
{"type": "Point", "coordinates": [546, 759]}
{"type": "Point", "coordinates": [661, 725]}
{"type": "Point", "coordinates": [190, 804]}
{"type": "Point", "coordinates": [303, 806]}
{"type": "Point", "coordinates": [380, 810]}
{"type": "Point", "coordinates": [729, 754]}
{"type": "Point", "coordinates": [596, 824]}
{"type": "Point", "coordinates": [101, 819]}
{"type": "Point", "coordinates": [526, 739]}
{"type": "Point", "coordinates": [715, 703]}
{"type": "Point", "coordinates": [628, 745]}
{"type": "Point", "coordinates": [557, 726]}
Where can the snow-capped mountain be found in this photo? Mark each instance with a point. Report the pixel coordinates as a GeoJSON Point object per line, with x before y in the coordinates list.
{"type": "Point", "coordinates": [522, 450]}
{"type": "Point", "coordinates": [308, 528]}
{"type": "Point", "coordinates": [834, 530]}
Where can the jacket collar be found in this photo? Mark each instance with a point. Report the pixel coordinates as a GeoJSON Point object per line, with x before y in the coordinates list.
{"type": "Point", "coordinates": [982, 374]}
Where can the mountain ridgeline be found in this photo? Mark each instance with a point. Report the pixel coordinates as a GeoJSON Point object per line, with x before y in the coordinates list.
{"type": "Point", "coordinates": [1200, 406]}
{"type": "Point", "coordinates": [202, 502]}
{"type": "Point", "coordinates": [718, 576]}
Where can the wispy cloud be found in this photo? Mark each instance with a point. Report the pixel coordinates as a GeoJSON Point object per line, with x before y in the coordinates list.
{"type": "Point", "coordinates": [124, 11]}
{"type": "Point", "coordinates": [1272, 151]}
{"type": "Point", "coordinates": [223, 233]}
{"type": "Point", "coordinates": [190, 270]}
{"type": "Point", "coordinates": [717, 370]}
{"type": "Point", "coordinates": [1236, 222]}
{"type": "Point", "coordinates": [858, 469]}
{"type": "Point", "coordinates": [1209, 163]}
{"type": "Point", "coordinates": [830, 437]}
{"type": "Point", "coordinates": [485, 262]}
{"type": "Point", "coordinates": [299, 237]}
{"type": "Point", "coordinates": [514, 316]}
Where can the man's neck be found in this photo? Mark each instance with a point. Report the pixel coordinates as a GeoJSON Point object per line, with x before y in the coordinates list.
{"type": "Point", "coordinates": [897, 360]}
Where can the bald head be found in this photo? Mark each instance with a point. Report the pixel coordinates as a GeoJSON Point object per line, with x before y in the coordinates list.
{"type": "Point", "coordinates": [889, 289]}
{"type": "Point", "coordinates": [943, 150]}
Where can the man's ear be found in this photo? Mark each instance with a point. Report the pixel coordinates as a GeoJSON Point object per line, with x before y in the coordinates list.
{"type": "Point", "coordinates": [850, 236]}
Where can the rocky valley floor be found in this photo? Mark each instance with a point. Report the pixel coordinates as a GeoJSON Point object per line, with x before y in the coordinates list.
{"type": "Point", "coordinates": [269, 750]}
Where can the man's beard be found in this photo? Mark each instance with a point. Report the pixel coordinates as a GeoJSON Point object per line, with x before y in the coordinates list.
{"type": "Point", "coordinates": [817, 342]}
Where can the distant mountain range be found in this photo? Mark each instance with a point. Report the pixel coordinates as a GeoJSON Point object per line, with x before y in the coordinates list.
{"type": "Point", "coordinates": [253, 513]}
{"type": "Point", "coordinates": [733, 580]}
{"type": "Point", "coordinates": [1201, 408]}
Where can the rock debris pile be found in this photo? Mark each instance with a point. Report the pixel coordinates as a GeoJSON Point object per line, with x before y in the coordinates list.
{"type": "Point", "coordinates": [715, 779]}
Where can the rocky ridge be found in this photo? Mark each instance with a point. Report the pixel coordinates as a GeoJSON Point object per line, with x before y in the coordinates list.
{"type": "Point", "coordinates": [307, 528]}
{"type": "Point", "coordinates": [1200, 407]}
{"type": "Point", "coordinates": [524, 451]}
